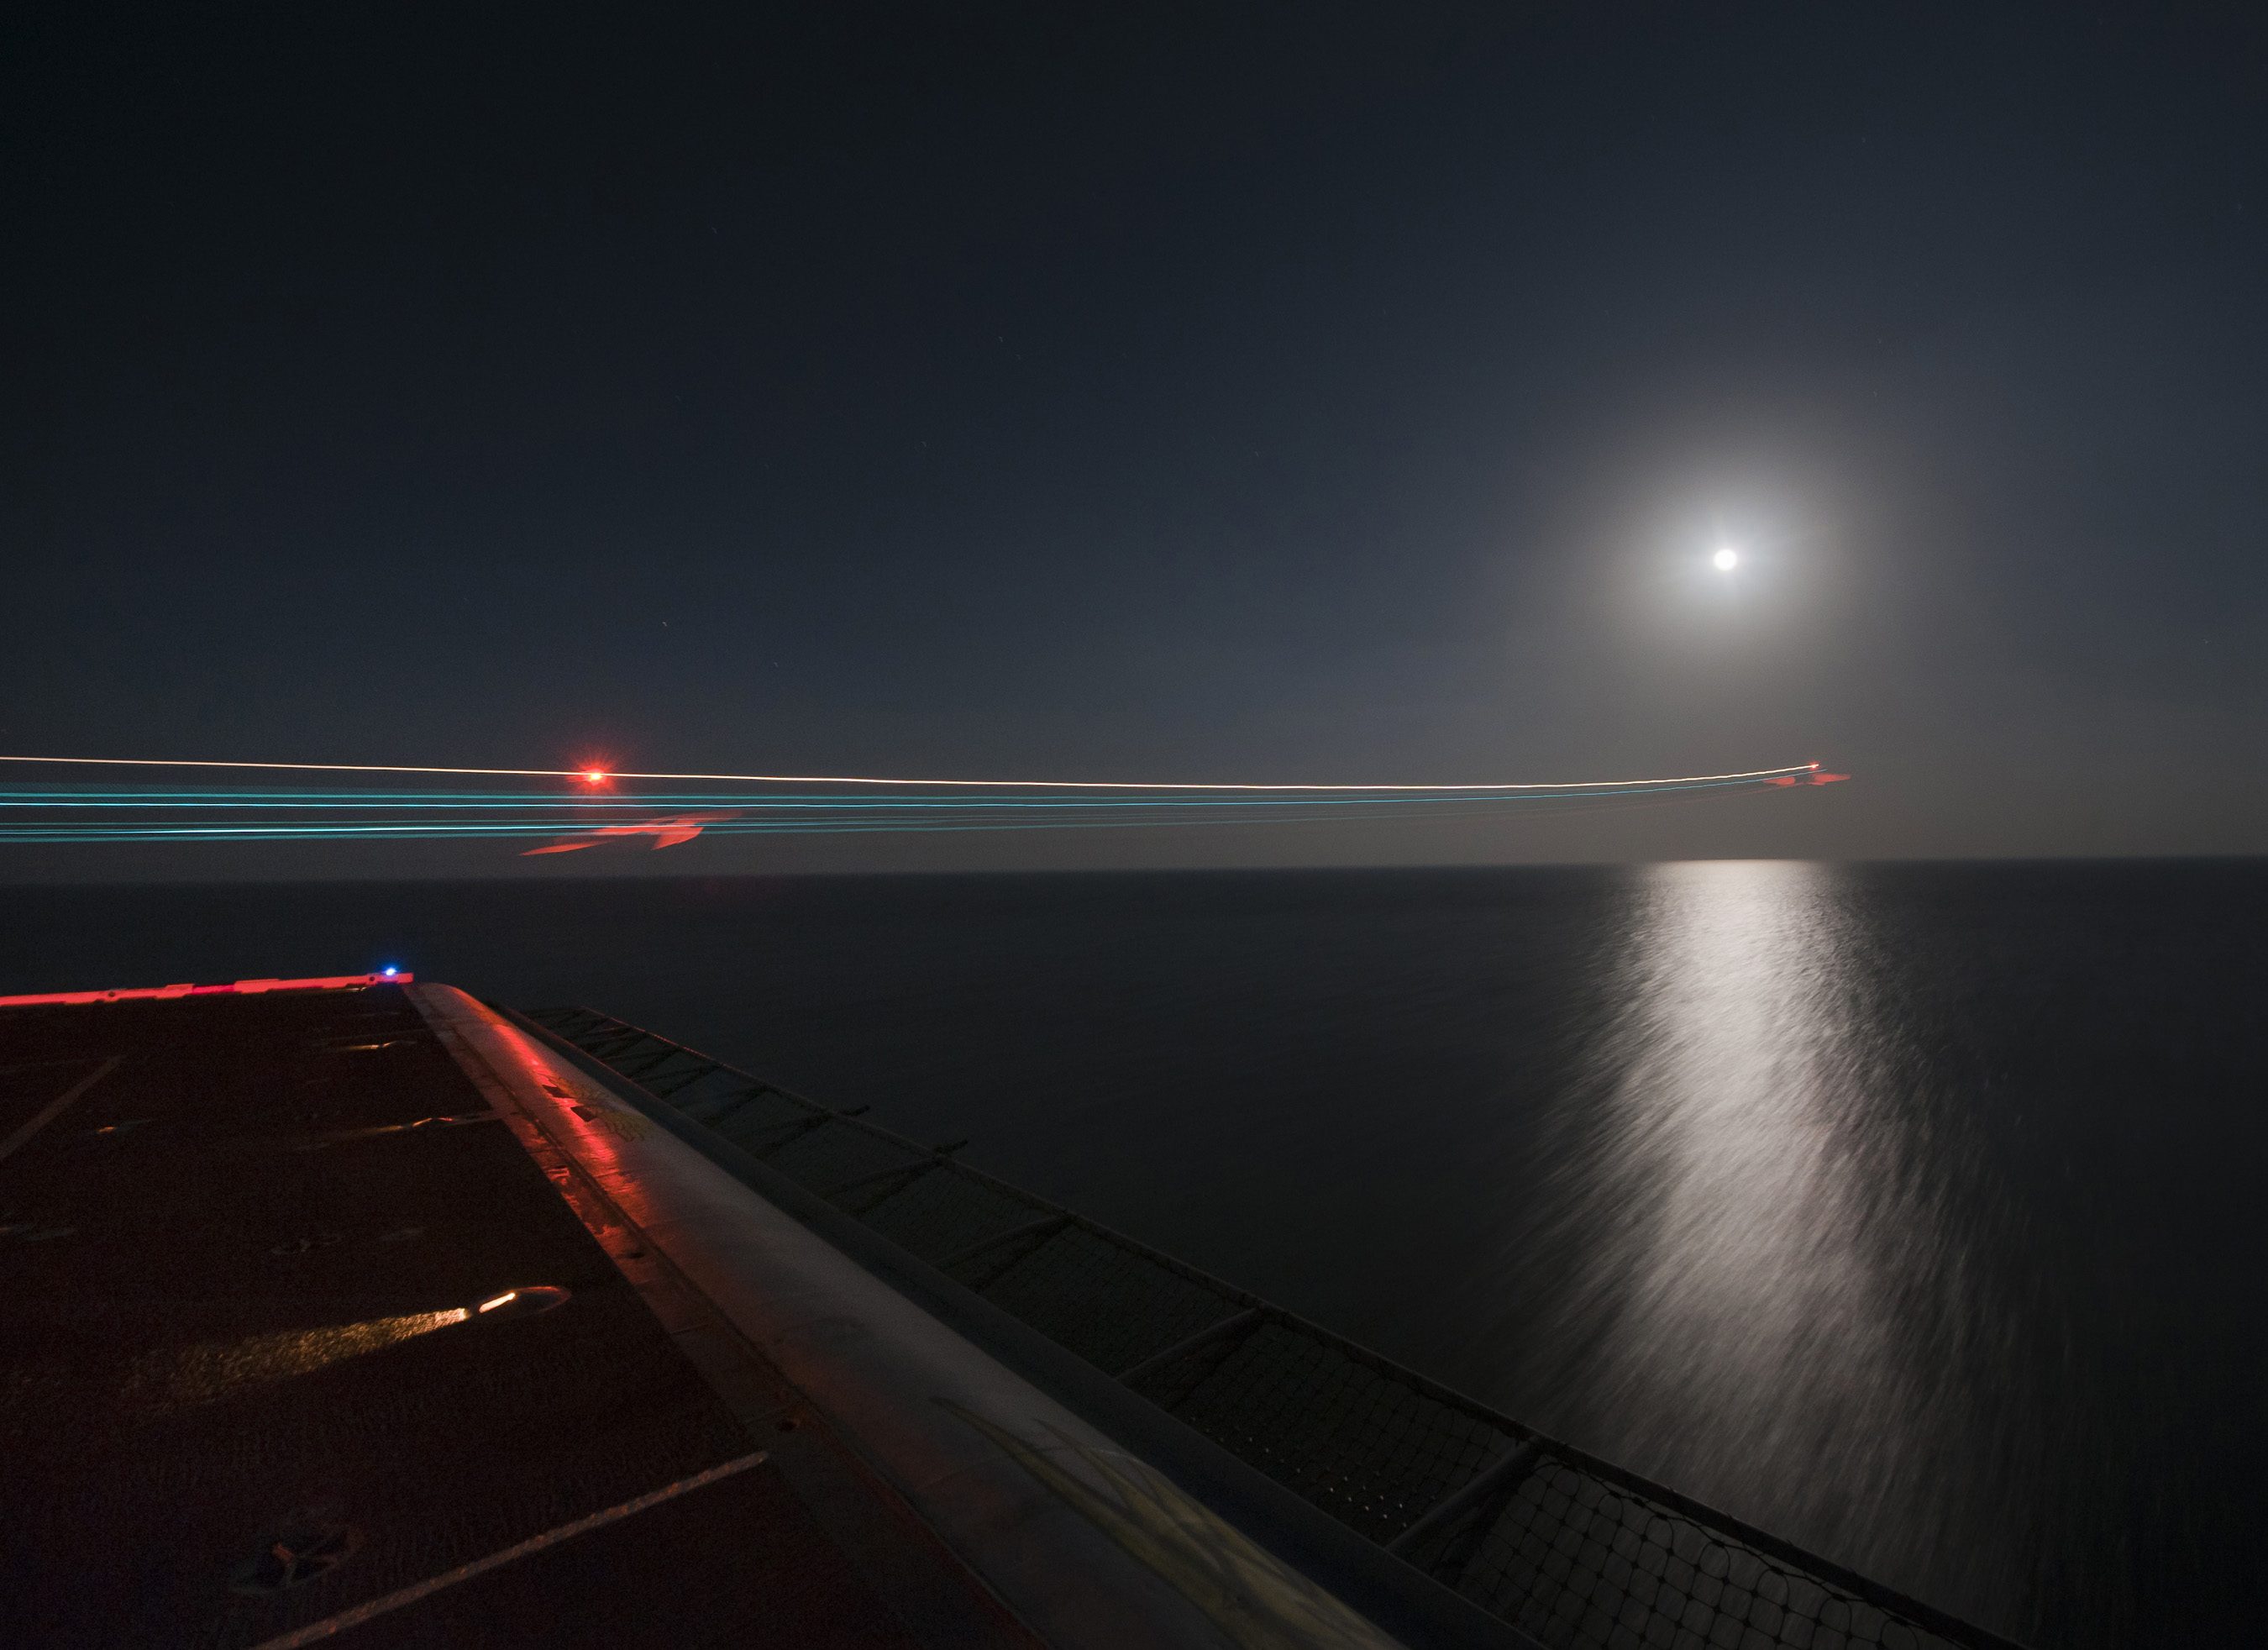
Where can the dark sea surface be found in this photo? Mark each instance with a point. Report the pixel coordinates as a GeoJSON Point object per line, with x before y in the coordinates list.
{"type": "Point", "coordinates": [1911, 1212]}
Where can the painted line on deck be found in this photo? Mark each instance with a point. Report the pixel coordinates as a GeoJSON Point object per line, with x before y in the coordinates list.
{"type": "Point", "coordinates": [55, 1107]}
{"type": "Point", "coordinates": [361, 1613]}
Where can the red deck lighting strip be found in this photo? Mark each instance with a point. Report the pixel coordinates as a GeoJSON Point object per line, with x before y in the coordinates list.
{"type": "Point", "coordinates": [241, 988]}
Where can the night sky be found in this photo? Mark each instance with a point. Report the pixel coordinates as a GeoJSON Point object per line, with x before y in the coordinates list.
{"type": "Point", "coordinates": [1150, 393]}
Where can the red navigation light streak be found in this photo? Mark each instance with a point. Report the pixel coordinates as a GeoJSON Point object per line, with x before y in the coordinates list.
{"type": "Point", "coordinates": [666, 833]}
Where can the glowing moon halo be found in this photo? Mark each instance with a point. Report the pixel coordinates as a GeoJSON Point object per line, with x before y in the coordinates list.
{"type": "Point", "coordinates": [1725, 560]}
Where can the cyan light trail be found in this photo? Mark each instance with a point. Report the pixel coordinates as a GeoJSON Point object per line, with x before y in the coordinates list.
{"type": "Point", "coordinates": [467, 829]}
{"type": "Point", "coordinates": [424, 832]}
{"type": "Point", "coordinates": [647, 801]}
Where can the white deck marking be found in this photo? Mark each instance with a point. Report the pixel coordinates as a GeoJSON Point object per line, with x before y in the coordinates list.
{"type": "Point", "coordinates": [361, 1613]}
{"type": "Point", "coordinates": [53, 1109]}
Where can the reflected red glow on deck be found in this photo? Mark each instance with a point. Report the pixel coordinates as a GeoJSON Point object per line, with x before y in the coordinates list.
{"type": "Point", "coordinates": [238, 988]}
{"type": "Point", "coordinates": [538, 1066]}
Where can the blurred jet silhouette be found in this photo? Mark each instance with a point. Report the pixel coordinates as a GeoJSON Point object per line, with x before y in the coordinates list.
{"type": "Point", "coordinates": [666, 833]}
{"type": "Point", "coordinates": [1808, 778]}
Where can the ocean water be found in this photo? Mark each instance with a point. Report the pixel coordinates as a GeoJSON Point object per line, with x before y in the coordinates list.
{"type": "Point", "coordinates": [1912, 1211]}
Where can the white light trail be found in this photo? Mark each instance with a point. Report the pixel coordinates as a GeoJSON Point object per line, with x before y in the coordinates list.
{"type": "Point", "coordinates": [583, 775]}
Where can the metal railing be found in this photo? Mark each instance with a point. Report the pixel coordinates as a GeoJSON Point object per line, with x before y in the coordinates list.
{"type": "Point", "coordinates": [1573, 1550]}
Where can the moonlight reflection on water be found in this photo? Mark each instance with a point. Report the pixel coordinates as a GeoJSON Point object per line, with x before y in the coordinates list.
{"type": "Point", "coordinates": [1749, 1305]}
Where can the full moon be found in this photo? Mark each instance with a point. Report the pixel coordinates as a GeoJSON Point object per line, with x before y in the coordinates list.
{"type": "Point", "coordinates": [1726, 561]}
